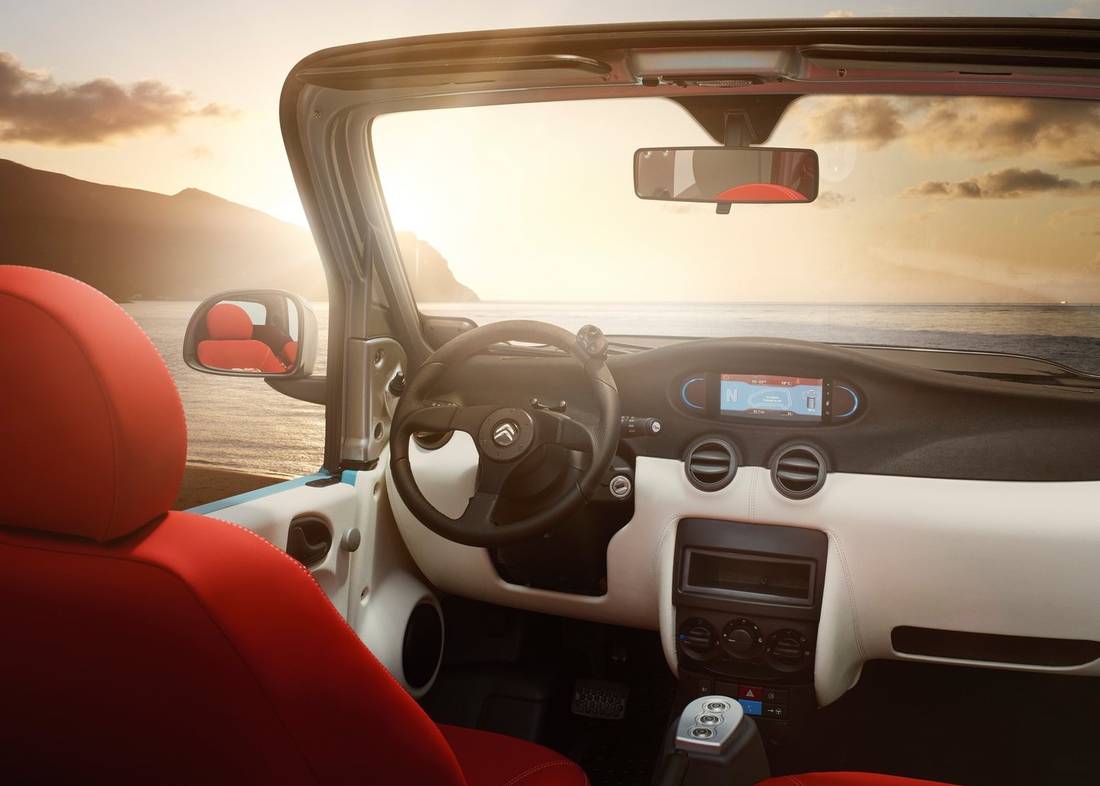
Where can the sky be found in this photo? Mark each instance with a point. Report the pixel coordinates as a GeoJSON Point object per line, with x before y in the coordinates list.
{"type": "Point", "coordinates": [922, 199]}
{"type": "Point", "coordinates": [212, 70]}
{"type": "Point", "coordinates": [167, 96]}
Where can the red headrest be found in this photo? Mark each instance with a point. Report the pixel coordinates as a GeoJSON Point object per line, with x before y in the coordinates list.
{"type": "Point", "coordinates": [228, 321]}
{"type": "Point", "coordinates": [92, 433]}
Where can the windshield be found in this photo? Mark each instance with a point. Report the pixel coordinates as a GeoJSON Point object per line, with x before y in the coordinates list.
{"type": "Point", "coordinates": [947, 222]}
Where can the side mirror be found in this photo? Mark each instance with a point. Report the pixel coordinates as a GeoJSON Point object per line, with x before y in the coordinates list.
{"type": "Point", "coordinates": [252, 333]}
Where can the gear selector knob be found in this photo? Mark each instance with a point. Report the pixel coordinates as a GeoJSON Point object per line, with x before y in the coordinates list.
{"type": "Point", "coordinates": [708, 723]}
{"type": "Point", "coordinates": [714, 744]}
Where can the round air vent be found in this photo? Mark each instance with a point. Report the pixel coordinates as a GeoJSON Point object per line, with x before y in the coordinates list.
{"type": "Point", "coordinates": [798, 471]}
{"type": "Point", "coordinates": [710, 463]}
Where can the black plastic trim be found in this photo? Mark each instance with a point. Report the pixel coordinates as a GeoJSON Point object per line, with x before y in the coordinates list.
{"type": "Point", "coordinates": [422, 645]}
{"type": "Point", "coordinates": [762, 540]}
{"type": "Point", "coordinates": [993, 648]}
{"type": "Point", "coordinates": [731, 471]}
{"type": "Point", "coordinates": [787, 453]}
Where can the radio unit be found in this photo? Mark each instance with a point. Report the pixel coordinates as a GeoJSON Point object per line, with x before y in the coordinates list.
{"type": "Point", "coordinates": [761, 579]}
{"type": "Point", "coordinates": [748, 600]}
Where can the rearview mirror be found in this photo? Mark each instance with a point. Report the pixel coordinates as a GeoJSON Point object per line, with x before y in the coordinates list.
{"type": "Point", "coordinates": [726, 175]}
{"type": "Point", "coordinates": [252, 333]}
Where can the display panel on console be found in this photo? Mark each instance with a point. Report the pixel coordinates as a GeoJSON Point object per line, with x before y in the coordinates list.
{"type": "Point", "coordinates": [771, 397]}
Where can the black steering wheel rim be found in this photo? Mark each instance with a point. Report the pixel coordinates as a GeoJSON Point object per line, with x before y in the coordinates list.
{"type": "Point", "coordinates": [531, 428]}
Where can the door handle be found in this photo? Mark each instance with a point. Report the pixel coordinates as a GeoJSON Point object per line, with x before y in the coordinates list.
{"type": "Point", "coordinates": [309, 540]}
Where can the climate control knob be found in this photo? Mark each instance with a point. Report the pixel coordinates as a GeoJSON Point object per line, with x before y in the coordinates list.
{"type": "Point", "coordinates": [787, 649]}
{"type": "Point", "coordinates": [741, 638]}
{"type": "Point", "coordinates": [697, 638]}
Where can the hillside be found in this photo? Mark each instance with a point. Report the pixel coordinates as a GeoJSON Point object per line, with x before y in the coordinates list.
{"type": "Point", "coordinates": [138, 244]}
{"type": "Point", "coordinates": [429, 274]}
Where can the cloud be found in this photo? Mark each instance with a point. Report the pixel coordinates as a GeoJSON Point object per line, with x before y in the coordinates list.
{"type": "Point", "coordinates": [1010, 183]}
{"type": "Point", "coordinates": [1080, 10]}
{"type": "Point", "coordinates": [831, 199]}
{"type": "Point", "coordinates": [35, 108]}
{"type": "Point", "coordinates": [874, 121]}
{"type": "Point", "coordinates": [1064, 131]}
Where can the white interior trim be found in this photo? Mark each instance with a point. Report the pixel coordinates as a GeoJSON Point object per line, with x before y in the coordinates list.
{"type": "Point", "coordinates": [1009, 558]}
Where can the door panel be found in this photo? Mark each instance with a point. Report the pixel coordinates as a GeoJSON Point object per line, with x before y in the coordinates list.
{"type": "Point", "coordinates": [269, 512]}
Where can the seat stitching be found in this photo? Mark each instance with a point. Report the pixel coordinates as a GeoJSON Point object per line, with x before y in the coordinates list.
{"type": "Point", "coordinates": [313, 579]}
{"type": "Point", "coordinates": [274, 708]}
{"type": "Point", "coordinates": [539, 768]}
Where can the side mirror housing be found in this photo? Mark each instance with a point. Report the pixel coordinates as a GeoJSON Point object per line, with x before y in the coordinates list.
{"type": "Point", "coordinates": [252, 333]}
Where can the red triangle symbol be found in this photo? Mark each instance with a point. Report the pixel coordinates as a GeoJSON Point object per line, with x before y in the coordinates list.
{"type": "Point", "coordinates": [749, 694]}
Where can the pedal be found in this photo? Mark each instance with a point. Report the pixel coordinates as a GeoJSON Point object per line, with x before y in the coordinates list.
{"type": "Point", "coordinates": [600, 699]}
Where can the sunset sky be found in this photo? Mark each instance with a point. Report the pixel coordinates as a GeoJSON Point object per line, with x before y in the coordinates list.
{"type": "Point", "coordinates": [165, 96]}
{"type": "Point", "coordinates": [210, 119]}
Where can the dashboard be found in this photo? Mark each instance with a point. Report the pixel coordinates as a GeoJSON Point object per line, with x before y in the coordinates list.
{"type": "Point", "coordinates": [955, 512]}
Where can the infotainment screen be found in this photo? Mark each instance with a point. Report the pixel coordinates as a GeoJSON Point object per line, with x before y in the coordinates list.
{"type": "Point", "coordinates": [771, 398]}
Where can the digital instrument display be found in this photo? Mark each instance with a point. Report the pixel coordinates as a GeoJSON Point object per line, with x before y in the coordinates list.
{"type": "Point", "coordinates": [771, 397]}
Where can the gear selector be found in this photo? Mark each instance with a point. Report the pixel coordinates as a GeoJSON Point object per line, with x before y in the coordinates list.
{"type": "Point", "coordinates": [713, 743]}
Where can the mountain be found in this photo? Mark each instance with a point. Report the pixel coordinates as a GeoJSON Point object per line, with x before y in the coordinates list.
{"type": "Point", "coordinates": [139, 244]}
{"type": "Point", "coordinates": [429, 274]}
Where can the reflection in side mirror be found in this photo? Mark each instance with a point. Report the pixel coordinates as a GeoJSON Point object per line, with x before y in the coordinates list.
{"type": "Point", "coordinates": [726, 175]}
{"type": "Point", "coordinates": [253, 333]}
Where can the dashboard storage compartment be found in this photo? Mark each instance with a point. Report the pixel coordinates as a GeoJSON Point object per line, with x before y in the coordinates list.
{"type": "Point", "coordinates": [993, 648]}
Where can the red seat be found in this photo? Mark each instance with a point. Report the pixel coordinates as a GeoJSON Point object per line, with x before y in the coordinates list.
{"type": "Point", "coordinates": [229, 343]}
{"type": "Point", "coordinates": [844, 779]}
{"type": "Point", "coordinates": [145, 646]}
{"type": "Point", "coordinates": [290, 352]}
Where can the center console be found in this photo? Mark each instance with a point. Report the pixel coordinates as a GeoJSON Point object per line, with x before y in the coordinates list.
{"type": "Point", "coordinates": [748, 601]}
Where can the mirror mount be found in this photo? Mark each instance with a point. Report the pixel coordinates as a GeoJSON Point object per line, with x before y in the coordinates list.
{"type": "Point", "coordinates": [739, 130]}
{"type": "Point", "coordinates": [310, 389]}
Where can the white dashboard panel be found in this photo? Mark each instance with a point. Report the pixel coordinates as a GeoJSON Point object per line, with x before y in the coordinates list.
{"type": "Point", "coordinates": [991, 557]}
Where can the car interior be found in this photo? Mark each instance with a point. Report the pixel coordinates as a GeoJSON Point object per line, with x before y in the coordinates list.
{"type": "Point", "coordinates": [618, 544]}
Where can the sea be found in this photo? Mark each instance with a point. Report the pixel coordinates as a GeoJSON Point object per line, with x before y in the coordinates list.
{"type": "Point", "coordinates": [243, 424]}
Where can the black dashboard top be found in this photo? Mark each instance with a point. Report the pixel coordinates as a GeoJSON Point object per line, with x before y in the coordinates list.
{"type": "Point", "coordinates": [911, 421]}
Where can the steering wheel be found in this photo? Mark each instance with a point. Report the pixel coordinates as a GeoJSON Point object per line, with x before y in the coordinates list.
{"type": "Point", "coordinates": [505, 435]}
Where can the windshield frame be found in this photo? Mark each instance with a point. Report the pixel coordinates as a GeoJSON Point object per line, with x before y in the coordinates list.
{"type": "Point", "coordinates": [330, 99]}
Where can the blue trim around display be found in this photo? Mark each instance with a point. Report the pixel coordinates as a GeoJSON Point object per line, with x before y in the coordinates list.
{"type": "Point", "coordinates": [683, 392]}
{"type": "Point", "coordinates": [347, 476]}
{"type": "Point", "coordinates": [855, 402]}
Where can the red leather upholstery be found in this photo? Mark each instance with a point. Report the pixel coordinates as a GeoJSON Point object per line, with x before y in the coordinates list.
{"type": "Point", "coordinates": [92, 435]}
{"type": "Point", "coordinates": [194, 652]}
{"type": "Point", "coordinates": [228, 322]}
{"type": "Point", "coordinates": [239, 356]}
{"type": "Point", "coordinates": [844, 779]}
{"type": "Point", "coordinates": [229, 344]}
{"type": "Point", "coordinates": [495, 760]}
{"type": "Point", "coordinates": [760, 192]}
{"type": "Point", "coordinates": [149, 647]}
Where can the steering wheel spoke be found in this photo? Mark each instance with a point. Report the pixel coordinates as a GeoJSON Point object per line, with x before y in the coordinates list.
{"type": "Point", "coordinates": [491, 478]}
{"type": "Point", "coordinates": [440, 417]}
{"type": "Point", "coordinates": [557, 429]}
